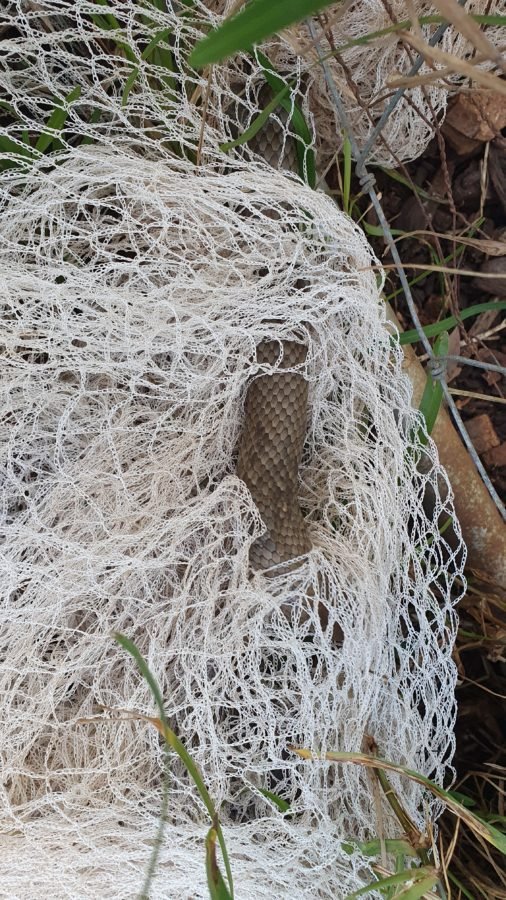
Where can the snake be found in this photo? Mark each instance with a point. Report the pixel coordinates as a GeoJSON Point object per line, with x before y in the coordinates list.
{"type": "Point", "coordinates": [275, 425]}
{"type": "Point", "coordinates": [270, 450]}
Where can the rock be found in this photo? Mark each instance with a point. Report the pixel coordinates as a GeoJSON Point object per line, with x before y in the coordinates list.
{"type": "Point", "coordinates": [497, 285]}
{"type": "Point", "coordinates": [473, 118]}
{"type": "Point", "coordinates": [495, 457]}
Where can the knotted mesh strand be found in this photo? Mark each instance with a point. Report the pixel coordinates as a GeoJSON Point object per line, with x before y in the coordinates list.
{"type": "Point", "coordinates": [135, 290]}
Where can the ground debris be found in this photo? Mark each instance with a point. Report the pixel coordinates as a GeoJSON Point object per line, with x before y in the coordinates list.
{"type": "Point", "coordinates": [497, 285]}
{"type": "Point", "coordinates": [496, 456]}
{"type": "Point", "coordinates": [474, 118]}
{"type": "Point", "coordinates": [482, 433]}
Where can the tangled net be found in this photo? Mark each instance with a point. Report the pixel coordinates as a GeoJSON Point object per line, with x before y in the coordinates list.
{"type": "Point", "coordinates": [129, 64]}
{"type": "Point", "coordinates": [362, 75]}
{"type": "Point", "coordinates": [136, 288]}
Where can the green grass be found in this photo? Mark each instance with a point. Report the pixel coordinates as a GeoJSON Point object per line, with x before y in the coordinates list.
{"type": "Point", "coordinates": [437, 328]}
{"type": "Point", "coordinates": [216, 882]}
{"type": "Point", "coordinates": [47, 141]}
{"type": "Point", "coordinates": [263, 18]}
{"type": "Point", "coordinates": [432, 396]}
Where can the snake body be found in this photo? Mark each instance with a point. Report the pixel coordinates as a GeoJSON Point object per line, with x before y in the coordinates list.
{"type": "Point", "coordinates": [270, 452]}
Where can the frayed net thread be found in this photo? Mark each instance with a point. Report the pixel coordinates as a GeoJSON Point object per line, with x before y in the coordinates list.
{"type": "Point", "coordinates": [133, 299]}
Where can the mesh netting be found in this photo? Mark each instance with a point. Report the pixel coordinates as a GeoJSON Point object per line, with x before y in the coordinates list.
{"type": "Point", "coordinates": [362, 74]}
{"type": "Point", "coordinates": [136, 288]}
{"type": "Point", "coordinates": [129, 63]}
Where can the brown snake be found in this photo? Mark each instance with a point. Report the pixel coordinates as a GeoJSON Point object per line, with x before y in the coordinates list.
{"type": "Point", "coordinates": [275, 424]}
{"type": "Point", "coordinates": [270, 452]}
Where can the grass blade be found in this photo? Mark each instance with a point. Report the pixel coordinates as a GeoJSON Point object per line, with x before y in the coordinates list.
{"type": "Point", "coordinates": [405, 25]}
{"type": "Point", "coordinates": [460, 18]}
{"type": "Point", "coordinates": [305, 154]}
{"type": "Point", "coordinates": [415, 188]}
{"type": "Point", "coordinates": [419, 888]}
{"type": "Point", "coordinates": [477, 825]}
{"type": "Point", "coordinates": [257, 123]}
{"type": "Point", "coordinates": [454, 255]}
{"type": "Point", "coordinates": [423, 878]}
{"type": "Point", "coordinates": [129, 83]}
{"type": "Point", "coordinates": [8, 145]}
{"type": "Point", "coordinates": [155, 40]}
{"type": "Point", "coordinates": [412, 336]}
{"type": "Point", "coordinates": [217, 887]}
{"type": "Point", "coordinates": [56, 121]}
{"type": "Point", "coordinates": [281, 804]}
{"type": "Point", "coordinates": [396, 846]}
{"type": "Point", "coordinates": [377, 231]}
{"type": "Point", "coordinates": [258, 20]}
{"type": "Point", "coordinates": [175, 744]}
{"type": "Point", "coordinates": [433, 392]}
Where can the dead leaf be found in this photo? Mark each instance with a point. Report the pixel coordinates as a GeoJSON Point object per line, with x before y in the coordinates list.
{"type": "Point", "coordinates": [486, 355]}
{"type": "Point", "coordinates": [473, 118]}
{"type": "Point", "coordinates": [492, 377]}
{"type": "Point", "coordinates": [482, 433]}
{"type": "Point", "coordinates": [483, 322]}
{"type": "Point", "coordinates": [496, 456]}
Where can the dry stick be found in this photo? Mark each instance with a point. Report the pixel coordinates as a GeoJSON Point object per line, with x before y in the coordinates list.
{"type": "Point", "coordinates": [484, 540]}
{"type": "Point", "coordinates": [458, 392]}
{"type": "Point", "coordinates": [455, 14]}
{"type": "Point", "coordinates": [433, 54]}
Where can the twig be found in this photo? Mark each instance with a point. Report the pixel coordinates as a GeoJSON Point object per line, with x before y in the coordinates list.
{"type": "Point", "coordinates": [487, 397]}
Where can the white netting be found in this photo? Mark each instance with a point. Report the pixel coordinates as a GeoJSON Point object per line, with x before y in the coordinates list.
{"type": "Point", "coordinates": [362, 74]}
{"type": "Point", "coordinates": [135, 290]}
{"type": "Point", "coordinates": [133, 297]}
{"type": "Point", "coordinates": [52, 48]}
